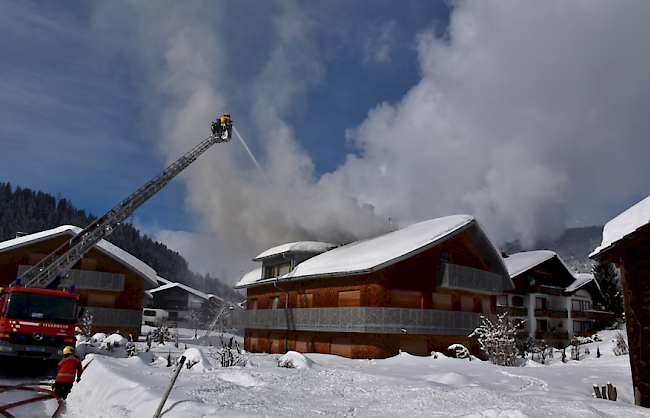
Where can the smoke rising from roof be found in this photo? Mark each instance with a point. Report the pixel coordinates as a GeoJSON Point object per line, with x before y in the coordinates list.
{"type": "Point", "coordinates": [524, 113]}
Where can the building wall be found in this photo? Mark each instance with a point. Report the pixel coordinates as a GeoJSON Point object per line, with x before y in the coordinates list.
{"type": "Point", "coordinates": [635, 279]}
{"type": "Point", "coordinates": [377, 289]}
{"type": "Point", "coordinates": [129, 300]}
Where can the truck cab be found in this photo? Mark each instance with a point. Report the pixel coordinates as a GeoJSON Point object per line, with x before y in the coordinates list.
{"type": "Point", "coordinates": [36, 323]}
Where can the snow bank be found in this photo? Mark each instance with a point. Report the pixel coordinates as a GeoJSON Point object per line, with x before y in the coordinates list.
{"type": "Point", "coordinates": [295, 360]}
{"type": "Point", "coordinates": [196, 361]}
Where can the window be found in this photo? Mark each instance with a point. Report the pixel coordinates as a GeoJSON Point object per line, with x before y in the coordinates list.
{"type": "Point", "coordinates": [303, 343]}
{"type": "Point", "coordinates": [486, 306]}
{"type": "Point", "coordinates": [517, 301]}
{"type": "Point", "coordinates": [149, 312]}
{"type": "Point", "coordinates": [415, 347]}
{"type": "Point", "coordinates": [99, 300]}
{"type": "Point", "coordinates": [341, 347]}
{"type": "Point", "coordinates": [274, 302]}
{"type": "Point", "coordinates": [542, 325]}
{"type": "Point", "coordinates": [446, 258]}
{"type": "Point", "coordinates": [467, 303]}
{"type": "Point", "coordinates": [580, 305]}
{"type": "Point", "coordinates": [277, 270]}
{"type": "Point", "coordinates": [442, 301]}
{"type": "Point", "coordinates": [540, 303]}
{"type": "Point", "coordinates": [581, 326]}
{"type": "Point", "coordinates": [305, 300]}
{"type": "Point", "coordinates": [406, 299]}
{"type": "Point", "coordinates": [349, 298]}
{"type": "Point", "coordinates": [253, 304]}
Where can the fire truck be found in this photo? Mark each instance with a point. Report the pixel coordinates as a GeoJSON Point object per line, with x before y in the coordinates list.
{"type": "Point", "coordinates": [36, 319]}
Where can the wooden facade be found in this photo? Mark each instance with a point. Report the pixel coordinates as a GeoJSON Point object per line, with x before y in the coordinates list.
{"type": "Point", "coordinates": [632, 254]}
{"type": "Point", "coordinates": [407, 287]}
{"type": "Point", "coordinates": [116, 306]}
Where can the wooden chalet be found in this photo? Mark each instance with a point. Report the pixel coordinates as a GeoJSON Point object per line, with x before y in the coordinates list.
{"type": "Point", "coordinates": [626, 242]}
{"type": "Point", "coordinates": [555, 302]}
{"type": "Point", "coordinates": [109, 281]}
{"type": "Point", "coordinates": [418, 289]}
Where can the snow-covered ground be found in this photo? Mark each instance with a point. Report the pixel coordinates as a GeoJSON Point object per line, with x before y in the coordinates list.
{"type": "Point", "coordinates": [330, 386]}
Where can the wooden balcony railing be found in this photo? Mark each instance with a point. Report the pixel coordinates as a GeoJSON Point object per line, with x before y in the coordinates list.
{"type": "Point", "coordinates": [552, 313]}
{"type": "Point", "coordinates": [512, 310]}
{"type": "Point", "coordinates": [599, 316]}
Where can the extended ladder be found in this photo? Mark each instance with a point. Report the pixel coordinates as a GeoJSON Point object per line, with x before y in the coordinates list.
{"type": "Point", "coordinates": [49, 271]}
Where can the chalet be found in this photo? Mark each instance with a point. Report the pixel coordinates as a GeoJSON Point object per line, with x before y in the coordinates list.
{"type": "Point", "coordinates": [555, 302]}
{"type": "Point", "coordinates": [626, 242]}
{"type": "Point", "coordinates": [174, 302]}
{"type": "Point", "coordinates": [418, 289]}
{"type": "Point", "coordinates": [109, 281]}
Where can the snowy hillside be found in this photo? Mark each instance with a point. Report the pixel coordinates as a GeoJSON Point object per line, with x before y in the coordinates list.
{"type": "Point", "coordinates": [329, 386]}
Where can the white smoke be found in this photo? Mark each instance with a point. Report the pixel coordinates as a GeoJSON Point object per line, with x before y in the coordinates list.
{"type": "Point", "coordinates": [525, 111]}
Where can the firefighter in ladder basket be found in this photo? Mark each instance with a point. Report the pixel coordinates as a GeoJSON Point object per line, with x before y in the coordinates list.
{"type": "Point", "coordinates": [222, 128]}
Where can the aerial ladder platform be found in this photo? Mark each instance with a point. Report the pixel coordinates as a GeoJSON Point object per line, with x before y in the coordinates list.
{"type": "Point", "coordinates": [48, 273]}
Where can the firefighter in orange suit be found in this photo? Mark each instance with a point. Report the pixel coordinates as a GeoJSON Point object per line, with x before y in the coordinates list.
{"type": "Point", "coordinates": [65, 372]}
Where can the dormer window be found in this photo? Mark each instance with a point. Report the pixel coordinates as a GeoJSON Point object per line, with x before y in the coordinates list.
{"type": "Point", "coordinates": [277, 270]}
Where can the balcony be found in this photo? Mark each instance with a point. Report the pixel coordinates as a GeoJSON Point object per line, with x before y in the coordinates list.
{"type": "Point", "coordinates": [115, 317]}
{"type": "Point", "coordinates": [552, 313]}
{"type": "Point", "coordinates": [360, 319]}
{"type": "Point", "coordinates": [551, 336]}
{"type": "Point", "coordinates": [512, 310]}
{"type": "Point", "coordinates": [87, 279]}
{"type": "Point", "coordinates": [599, 316]}
{"type": "Point", "coordinates": [547, 290]}
{"type": "Point", "coordinates": [454, 276]}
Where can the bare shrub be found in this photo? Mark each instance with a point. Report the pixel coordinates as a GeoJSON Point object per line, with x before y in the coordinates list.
{"type": "Point", "coordinates": [229, 354]}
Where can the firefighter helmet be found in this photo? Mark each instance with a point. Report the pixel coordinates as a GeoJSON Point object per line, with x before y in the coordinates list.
{"type": "Point", "coordinates": [227, 114]}
{"type": "Point", "coordinates": [68, 350]}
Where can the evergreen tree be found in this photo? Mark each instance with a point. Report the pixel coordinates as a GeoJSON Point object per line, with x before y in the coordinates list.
{"type": "Point", "coordinates": [609, 281]}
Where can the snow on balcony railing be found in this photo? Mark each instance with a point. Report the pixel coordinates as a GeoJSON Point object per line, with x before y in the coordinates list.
{"type": "Point", "coordinates": [360, 319]}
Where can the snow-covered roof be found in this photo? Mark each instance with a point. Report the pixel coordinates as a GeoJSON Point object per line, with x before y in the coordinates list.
{"type": "Point", "coordinates": [624, 224]}
{"type": "Point", "coordinates": [104, 246]}
{"type": "Point", "coordinates": [314, 247]}
{"type": "Point", "coordinates": [581, 280]}
{"type": "Point", "coordinates": [186, 288]}
{"type": "Point", "coordinates": [375, 253]}
{"type": "Point", "coordinates": [163, 280]}
{"type": "Point", "coordinates": [250, 277]}
{"type": "Point", "coordinates": [520, 262]}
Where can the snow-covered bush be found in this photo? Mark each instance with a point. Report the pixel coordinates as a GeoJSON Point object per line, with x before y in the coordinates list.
{"type": "Point", "coordinates": [87, 323]}
{"type": "Point", "coordinates": [621, 345]}
{"type": "Point", "coordinates": [229, 354]}
{"type": "Point", "coordinates": [98, 338]}
{"type": "Point", "coordinates": [497, 339]}
{"type": "Point", "coordinates": [294, 360]}
{"type": "Point", "coordinates": [113, 341]}
{"type": "Point", "coordinates": [461, 351]}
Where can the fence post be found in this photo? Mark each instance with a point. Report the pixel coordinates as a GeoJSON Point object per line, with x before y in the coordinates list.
{"type": "Point", "coordinates": [597, 390]}
{"type": "Point", "coordinates": [169, 388]}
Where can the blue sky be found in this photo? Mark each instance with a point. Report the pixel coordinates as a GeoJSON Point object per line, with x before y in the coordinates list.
{"type": "Point", "coordinates": [529, 116]}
